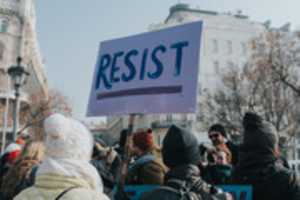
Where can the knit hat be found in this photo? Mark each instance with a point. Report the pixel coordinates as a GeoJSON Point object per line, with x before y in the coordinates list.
{"type": "Point", "coordinates": [259, 135]}
{"type": "Point", "coordinates": [180, 147]}
{"type": "Point", "coordinates": [218, 128]}
{"type": "Point", "coordinates": [143, 140]}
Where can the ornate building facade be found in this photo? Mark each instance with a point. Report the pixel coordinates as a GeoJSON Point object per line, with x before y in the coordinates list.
{"type": "Point", "coordinates": [18, 38]}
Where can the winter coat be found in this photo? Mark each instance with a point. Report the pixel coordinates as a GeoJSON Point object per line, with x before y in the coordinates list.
{"type": "Point", "coordinates": [268, 177]}
{"type": "Point", "coordinates": [179, 181]}
{"type": "Point", "coordinates": [217, 174]}
{"type": "Point", "coordinates": [148, 169]}
{"type": "Point", "coordinates": [50, 186]}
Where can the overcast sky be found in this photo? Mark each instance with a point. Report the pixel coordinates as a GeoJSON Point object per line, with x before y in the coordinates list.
{"type": "Point", "coordinates": [69, 32]}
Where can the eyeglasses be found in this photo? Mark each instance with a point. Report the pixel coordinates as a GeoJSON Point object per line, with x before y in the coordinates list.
{"type": "Point", "coordinates": [215, 135]}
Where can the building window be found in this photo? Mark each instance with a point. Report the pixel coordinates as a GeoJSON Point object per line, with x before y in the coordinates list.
{"type": "Point", "coordinates": [216, 67]}
{"type": "Point", "coordinates": [2, 49]}
{"type": "Point", "coordinates": [215, 46]}
{"type": "Point", "coordinates": [169, 117]}
{"type": "Point", "coordinates": [298, 154]}
{"type": "Point", "coordinates": [3, 81]}
{"type": "Point", "coordinates": [229, 47]}
{"type": "Point", "coordinates": [244, 48]}
{"type": "Point", "coordinates": [4, 26]}
{"type": "Point", "coordinates": [199, 89]}
{"type": "Point", "coordinates": [230, 65]}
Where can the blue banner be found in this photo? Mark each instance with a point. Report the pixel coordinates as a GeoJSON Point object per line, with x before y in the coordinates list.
{"type": "Point", "coordinates": [239, 192]}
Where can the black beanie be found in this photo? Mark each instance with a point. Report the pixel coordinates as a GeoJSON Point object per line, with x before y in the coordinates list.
{"type": "Point", "coordinates": [180, 147]}
{"type": "Point", "coordinates": [259, 135]}
{"type": "Point", "coordinates": [218, 128]}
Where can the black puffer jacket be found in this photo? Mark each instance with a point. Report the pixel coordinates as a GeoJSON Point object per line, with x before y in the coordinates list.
{"type": "Point", "coordinates": [179, 181]}
{"type": "Point", "coordinates": [258, 165]}
{"type": "Point", "coordinates": [269, 178]}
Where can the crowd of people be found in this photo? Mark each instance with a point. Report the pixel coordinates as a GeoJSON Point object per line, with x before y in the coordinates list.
{"type": "Point", "coordinates": [70, 164]}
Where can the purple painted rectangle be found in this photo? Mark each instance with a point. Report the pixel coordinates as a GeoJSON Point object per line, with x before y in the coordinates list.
{"type": "Point", "coordinates": [154, 72]}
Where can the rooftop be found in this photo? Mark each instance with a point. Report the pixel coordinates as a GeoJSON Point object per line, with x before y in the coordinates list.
{"type": "Point", "coordinates": [182, 7]}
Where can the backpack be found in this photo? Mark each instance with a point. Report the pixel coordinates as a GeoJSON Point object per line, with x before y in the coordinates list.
{"type": "Point", "coordinates": [198, 190]}
{"type": "Point", "coordinates": [184, 190]}
{"type": "Point", "coordinates": [183, 194]}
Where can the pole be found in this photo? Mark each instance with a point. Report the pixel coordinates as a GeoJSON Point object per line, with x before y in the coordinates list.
{"type": "Point", "coordinates": [16, 114]}
{"type": "Point", "coordinates": [5, 114]}
{"type": "Point", "coordinates": [125, 160]}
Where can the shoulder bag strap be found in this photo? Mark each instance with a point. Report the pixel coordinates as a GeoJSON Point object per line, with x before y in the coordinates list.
{"type": "Point", "coordinates": [64, 192]}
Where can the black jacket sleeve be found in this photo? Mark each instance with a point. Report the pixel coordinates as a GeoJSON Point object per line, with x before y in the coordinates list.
{"type": "Point", "coordinates": [294, 187]}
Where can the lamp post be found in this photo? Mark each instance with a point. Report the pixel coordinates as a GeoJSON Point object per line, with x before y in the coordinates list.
{"type": "Point", "coordinates": [18, 76]}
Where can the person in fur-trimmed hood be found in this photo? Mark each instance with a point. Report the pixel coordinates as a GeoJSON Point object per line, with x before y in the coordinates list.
{"type": "Point", "coordinates": [259, 164]}
{"type": "Point", "coordinates": [66, 172]}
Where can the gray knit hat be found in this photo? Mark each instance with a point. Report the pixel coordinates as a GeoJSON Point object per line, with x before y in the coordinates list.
{"type": "Point", "coordinates": [259, 135]}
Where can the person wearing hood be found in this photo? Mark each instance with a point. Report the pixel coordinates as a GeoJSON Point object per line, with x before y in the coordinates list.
{"type": "Point", "coordinates": [259, 164]}
{"type": "Point", "coordinates": [66, 172]}
{"type": "Point", "coordinates": [181, 154]}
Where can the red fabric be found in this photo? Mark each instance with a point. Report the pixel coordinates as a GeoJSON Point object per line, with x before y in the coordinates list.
{"type": "Point", "coordinates": [143, 140]}
{"type": "Point", "coordinates": [12, 156]}
{"type": "Point", "coordinates": [20, 141]}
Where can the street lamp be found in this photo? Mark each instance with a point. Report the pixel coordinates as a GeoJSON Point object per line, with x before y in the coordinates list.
{"type": "Point", "coordinates": [18, 76]}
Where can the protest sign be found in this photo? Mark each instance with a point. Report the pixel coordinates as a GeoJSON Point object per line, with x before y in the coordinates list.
{"type": "Point", "coordinates": [154, 72]}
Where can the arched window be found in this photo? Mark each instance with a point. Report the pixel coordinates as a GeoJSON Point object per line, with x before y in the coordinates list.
{"type": "Point", "coordinates": [2, 50]}
{"type": "Point", "coordinates": [216, 67]}
{"type": "Point", "coordinates": [215, 46]}
{"type": "Point", "coordinates": [4, 26]}
{"type": "Point", "coordinates": [3, 80]}
{"type": "Point", "coordinates": [229, 47]}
